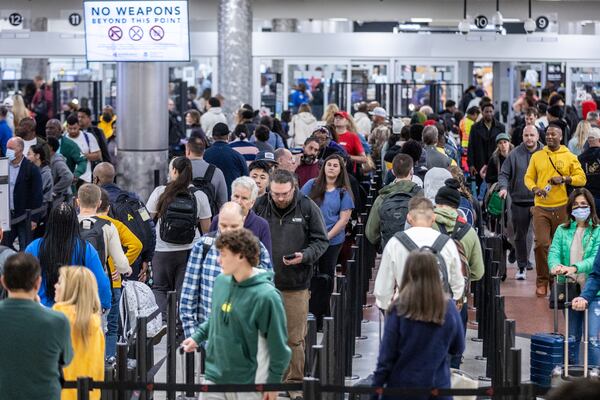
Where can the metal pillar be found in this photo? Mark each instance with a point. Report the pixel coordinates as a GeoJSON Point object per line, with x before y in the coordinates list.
{"type": "Point", "coordinates": [142, 126]}
{"type": "Point", "coordinates": [282, 25]}
{"type": "Point", "coordinates": [31, 67]}
{"type": "Point", "coordinates": [235, 54]}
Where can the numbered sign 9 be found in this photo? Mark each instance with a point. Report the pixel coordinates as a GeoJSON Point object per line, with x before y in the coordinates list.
{"type": "Point", "coordinates": [481, 21]}
{"type": "Point", "coordinates": [542, 22]}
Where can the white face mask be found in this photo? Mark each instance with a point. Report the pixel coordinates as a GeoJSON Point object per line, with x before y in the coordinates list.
{"type": "Point", "coordinates": [10, 153]}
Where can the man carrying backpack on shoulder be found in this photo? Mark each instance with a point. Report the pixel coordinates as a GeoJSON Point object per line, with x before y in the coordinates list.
{"type": "Point", "coordinates": [206, 177]}
{"type": "Point", "coordinates": [390, 209]}
{"type": "Point", "coordinates": [421, 234]}
{"type": "Point", "coordinates": [103, 235]}
{"type": "Point", "coordinates": [448, 222]}
{"type": "Point", "coordinates": [127, 208]}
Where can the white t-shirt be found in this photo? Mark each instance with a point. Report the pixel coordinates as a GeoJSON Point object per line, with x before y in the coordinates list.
{"type": "Point", "coordinates": [85, 148]}
{"type": "Point", "coordinates": [28, 144]}
{"type": "Point", "coordinates": [203, 207]}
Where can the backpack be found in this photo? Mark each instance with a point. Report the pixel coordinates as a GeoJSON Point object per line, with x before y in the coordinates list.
{"type": "Point", "coordinates": [179, 223]}
{"type": "Point", "coordinates": [133, 214]}
{"type": "Point", "coordinates": [137, 300]}
{"type": "Point", "coordinates": [92, 231]}
{"type": "Point", "coordinates": [467, 208]}
{"type": "Point", "coordinates": [435, 249]}
{"type": "Point", "coordinates": [204, 183]}
{"type": "Point", "coordinates": [393, 212]}
{"type": "Point", "coordinates": [458, 233]}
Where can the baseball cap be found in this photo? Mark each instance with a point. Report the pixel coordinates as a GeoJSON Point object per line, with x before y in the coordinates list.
{"type": "Point", "coordinates": [342, 114]}
{"type": "Point", "coordinates": [594, 133]}
{"type": "Point", "coordinates": [379, 112]}
{"type": "Point", "coordinates": [502, 136]}
{"type": "Point", "coordinates": [266, 156]}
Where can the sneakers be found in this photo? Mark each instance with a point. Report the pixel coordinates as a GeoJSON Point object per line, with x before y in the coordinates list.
{"type": "Point", "coordinates": [520, 275]}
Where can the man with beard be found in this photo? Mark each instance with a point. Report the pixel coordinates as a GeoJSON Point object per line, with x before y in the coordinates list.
{"type": "Point", "coordinates": [309, 163]}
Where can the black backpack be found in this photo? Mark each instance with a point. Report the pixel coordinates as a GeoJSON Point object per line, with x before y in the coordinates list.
{"type": "Point", "coordinates": [179, 223]}
{"type": "Point", "coordinates": [435, 249]}
{"type": "Point", "coordinates": [204, 183]}
{"type": "Point", "coordinates": [92, 231]}
{"type": "Point", "coordinates": [132, 212]}
{"type": "Point", "coordinates": [393, 212]}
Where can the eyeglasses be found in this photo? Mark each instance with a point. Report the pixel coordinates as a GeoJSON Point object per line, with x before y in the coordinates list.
{"type": "Point", "coordinates": [282, 195]}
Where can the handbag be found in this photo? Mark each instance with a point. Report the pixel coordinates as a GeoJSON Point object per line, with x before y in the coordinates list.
{"type": "Point", "coordinates": [561, 294]}
{"type": "Point", "coordinates": [495, 205]}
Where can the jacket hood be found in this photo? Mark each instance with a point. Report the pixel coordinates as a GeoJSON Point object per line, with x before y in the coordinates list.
{"type": "Point", "coordinates": [215, 110]}
{"type": "Point", "coordinates": [446, 216]}
{"type": "Point", "coordinates": [400, 186]}
{"type": "Point", "coordinates": [261, 276]}
{"type": "Point", "coordinates": [307, 118]}
{"type": "Point", "coordinates": [561, 150]}
{"type": "Point", "coordinates": [359, 116]}
{"type": "Point", "coordinates": [522, 147]}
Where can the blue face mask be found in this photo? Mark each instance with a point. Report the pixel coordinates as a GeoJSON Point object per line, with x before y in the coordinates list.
{"type": "Point", "coordinates": [10, 153]}
{"type": "Point", "coordinates": [581, 213]}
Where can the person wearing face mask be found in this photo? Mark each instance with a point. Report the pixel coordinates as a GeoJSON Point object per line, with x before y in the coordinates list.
{"type": "Point", "coordinates": [24, 192]}
{"type": "Point", "coordinates": [549, 172]}
{"type": "Point", "coordinates": [308, 167]}
{"type": "Point", "coordinates": [572, 253]}
{"type": "Point", "coordinates": [108, 122]}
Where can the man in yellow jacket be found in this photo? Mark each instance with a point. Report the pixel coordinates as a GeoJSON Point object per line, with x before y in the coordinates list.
{"type": "Point", "coordinates": [549, 172]}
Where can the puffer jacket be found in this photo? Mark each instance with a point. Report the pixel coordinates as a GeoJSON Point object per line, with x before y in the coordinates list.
{"type": "Point", "coordinates": [301, 128]}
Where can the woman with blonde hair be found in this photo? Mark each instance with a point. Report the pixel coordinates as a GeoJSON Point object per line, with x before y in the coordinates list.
{"type": "Point", "coordinates": [329, 114]}
{"type": "Point", "coordinates": [580, 137]}
{"type": "Point", "coordinates": [19, 109]}
{"type": "Point", "coordinates": [77, 298]}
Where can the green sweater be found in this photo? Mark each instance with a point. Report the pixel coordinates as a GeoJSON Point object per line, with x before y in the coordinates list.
{"type": "Point", "coordinates": [560, 250]}
{"type": "Point", "coordinates": [246, 332]}
{"type": "Point", "coordinates": [470, 241]}
{"type": "Point", "coordinates": [75, 160]}
{"type": "Point", "coordinates": [36, 342]}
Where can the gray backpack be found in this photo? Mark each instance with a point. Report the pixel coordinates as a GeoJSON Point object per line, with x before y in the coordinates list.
{"type": "Point", "coordinates": [393, 212]}
{"type": "Point", "coordinates": [137, 300]}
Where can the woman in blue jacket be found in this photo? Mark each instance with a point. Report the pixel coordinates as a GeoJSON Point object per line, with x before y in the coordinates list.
{"type": "Point", "coordinates": [572, 253]}
{"type": "Point", "coordinates": [422, 328]}
{"type": "Point", "coordinates": [62, 245]}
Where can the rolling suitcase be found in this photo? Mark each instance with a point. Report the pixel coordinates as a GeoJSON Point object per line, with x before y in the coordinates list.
{"type": "Point", "coordinates": [547, 351]}
{"type": "Point", "coordinates": [562, 375]}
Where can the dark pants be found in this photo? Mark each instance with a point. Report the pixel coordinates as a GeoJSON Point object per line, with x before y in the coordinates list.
{"type": "Point", "coordinates": [20, 231]}
{"type": "Point", "coordinates": [521, 218]}
{"type": "Point", "coordinates": [464, 315]}
{"type": "Point", "coordinates": [168, 271]}
{"type": "Point", "coordinates": [327, 264]}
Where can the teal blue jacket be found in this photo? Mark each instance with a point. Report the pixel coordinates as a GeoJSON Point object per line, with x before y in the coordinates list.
{"type": "Point", "coordinates": [560, 250]}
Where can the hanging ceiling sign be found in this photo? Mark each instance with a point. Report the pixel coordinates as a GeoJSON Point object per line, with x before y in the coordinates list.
{"type": "Point", "coordinates": [137, 30]}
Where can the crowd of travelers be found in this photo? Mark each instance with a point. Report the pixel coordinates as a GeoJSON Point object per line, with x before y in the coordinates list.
{"type": "Point", "coordinates": [257, 217]}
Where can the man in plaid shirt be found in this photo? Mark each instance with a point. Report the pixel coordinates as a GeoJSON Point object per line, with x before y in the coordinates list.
{"type": "Point", "coordinates": [201, 271]}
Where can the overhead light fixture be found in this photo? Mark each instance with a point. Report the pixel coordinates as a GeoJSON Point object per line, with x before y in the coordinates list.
{"type": "Point", "coordinates": [421, 20]}
{"type": "Point", "coordinates": [497, 20]}
{"type": "Point", "coordinates": [409, 27]}
{"type": "Point", "coordinates": [529, 24]}
{"type": "Point", "coordinates": [464, 26]}
{"type": "Point", "coordinates": [511, 20]}
{"type": "Point", "coordinates": [338, 19]}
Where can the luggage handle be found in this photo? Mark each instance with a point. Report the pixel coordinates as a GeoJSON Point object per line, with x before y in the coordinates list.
{"type": "Point", "coordinates": [585, 339]}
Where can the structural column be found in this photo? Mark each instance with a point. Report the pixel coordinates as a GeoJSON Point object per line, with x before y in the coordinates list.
{"type": "Point", "coordinates": [282, 25]}
{"type": "Point", "coordinates": [31, 67]}
{"type": "Point", "coordinates": [142, 125]}
{"type": "Point", "coordinates": [235, 54]}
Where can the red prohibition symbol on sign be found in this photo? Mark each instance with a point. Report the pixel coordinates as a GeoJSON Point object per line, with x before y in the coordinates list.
{"type": "Point", "coordinates": [157, 33]}
{"type": "Point", "coordinates": [115, 33]}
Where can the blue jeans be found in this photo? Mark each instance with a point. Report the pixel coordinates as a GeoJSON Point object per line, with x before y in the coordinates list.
{"type": "Point", "coordinates": [112, 326]}
{"type": "Point", "coordinates": [464, 315]}
{"type": "Point", "coordinates": [576, 330]}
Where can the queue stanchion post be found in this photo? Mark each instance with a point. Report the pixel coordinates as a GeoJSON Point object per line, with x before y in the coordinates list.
{"type": "Point", "coordinates": [514, 378]}
{"type": "Point", "coordinates": [28, 232]}
{"type": "Point", "coordinates": [310, 341]}
{"type": "Point", "coordinates": [142, 353]}
{"type": "Point", "coordinates": [509, 343]}
{"type": "Point", "coordinates": [83, 388]}
{"type": "Point", "coordinates": [351, 317]}
{"type": "Point", "coordinates": [356, 288]}
{"type": "Point", "coordinates": [339, 341]}
{"type": "Point", "coordinates": [329, 350]}
{"type": "Point", "coordinates": [499, 339]}
{"type": "Point", "coordinates": [122, 372]}
{"type": "Point", "coordinates": [171, 342]}
{"type": "Point", "coordinates": [311, 389]}
{"type": "Point", "coordinates": [318, 367]}
{"type": "Point", "coordinates": [190, 372]}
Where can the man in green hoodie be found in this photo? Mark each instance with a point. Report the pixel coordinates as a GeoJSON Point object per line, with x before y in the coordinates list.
{"type": "Point", "coordinates": [246, 330]}
{"type": "Point", "coordinates": [390, 209]}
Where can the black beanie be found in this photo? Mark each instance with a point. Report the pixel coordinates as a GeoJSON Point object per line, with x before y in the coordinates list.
{"type": "Point", "coordinates": [449, 195]}
{"type": "Point", "coordinates": [556, 111]}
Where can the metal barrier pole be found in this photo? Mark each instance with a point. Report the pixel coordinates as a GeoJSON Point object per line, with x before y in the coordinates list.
{"type": "Point", "coordinates": [122, 349]}
{"type": "Point", "coordinates": [310, 340]}
{"type": "Point", "coordinates": [328, 343]}
{"type": "Point", "coordinates": [83, 388]}
{"type": "Point", "coordinates": [318, 367]}
{"type": "Point", "coordinates": [190, 372]}
{"type": "Point", "coordinates": [142, 353]}
{"type": "Point", "coordinates": [311, 389]}
{"type": "Point", "coordinates": [509, 343]}
{"type": "Point", "coordinates": [28, 232]}
{"type": "Point", "coordinates": [171, 342]}
{"type": "Point", "coordinates": [339, 342]}
{"type": "Point", "coordinates": [514, 379]}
